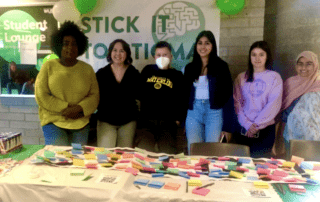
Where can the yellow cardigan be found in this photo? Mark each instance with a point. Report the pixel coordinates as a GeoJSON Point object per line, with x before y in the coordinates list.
{"type": "Point", "coordinates": [57, 86]}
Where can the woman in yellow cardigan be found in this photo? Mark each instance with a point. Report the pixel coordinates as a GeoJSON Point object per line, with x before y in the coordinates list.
{"type": "Point", "coordinates": [66, 89]}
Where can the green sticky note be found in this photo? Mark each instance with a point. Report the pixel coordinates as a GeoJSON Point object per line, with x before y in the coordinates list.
{"type": "Point", "coordinates": [139, 150]}
{"type": "Point", "coordinates": [141, 161]}
{"type": "Point", "coordinates": [4, 91]}
{"type": "Point", "coordinates": [230, 163]}
{"type": "Point", "coordinates": [232, 167]}
{"type": "Point", "coordinates": [251, 168]}
{"type": "Point", "coordinates": [14, 91]}
{"type": "Point", "coordinates": [49, 154]}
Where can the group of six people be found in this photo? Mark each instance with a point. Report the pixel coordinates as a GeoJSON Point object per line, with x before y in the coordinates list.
{"type": "Point", "coordinates": [202, 97]}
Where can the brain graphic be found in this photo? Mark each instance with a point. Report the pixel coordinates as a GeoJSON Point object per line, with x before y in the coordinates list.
{"type": "Point", "coordinates": [183, 18]}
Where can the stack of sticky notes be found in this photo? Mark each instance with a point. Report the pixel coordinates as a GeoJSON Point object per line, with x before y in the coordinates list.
{"type": "Point", "coordinates": [195, 183]}
{"type": "Point", "coordinates": [172, 186]}
{"type": "Point", "coordinates": [142, 182]}
{"type": "Point", "coordinates": [201, 191]}
{"type": "Point", "coordinates": [236, 174]}
{"type": "Point", "coordinates": [288, 164]}
{"type": "Point", "coordinates": [262, 185]}
{"type": "Point", "coordinates": [77, 172]}
{"type": "Point", "coordinates": [156, 184]}
{"type": "Point", "coordinates": [78, 162]}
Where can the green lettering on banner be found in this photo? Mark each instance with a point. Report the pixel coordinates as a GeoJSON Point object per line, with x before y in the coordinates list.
{"type": "Point", "coordinates": [87, 53]}
{"type": "Point", "coordinates": [164, 23]}
{"type": "Point", "coordinates": [153, 50]}
{"type": "Point", "coordinates": [98, 45]}
{"type": "Point", "coordinates": [113, 24]}
{"type": "Point", "coordinates": [179, 51]}
{"type": "Point", "coordinates": [97, 19]}
{"type": "Point", "coordinates": [190, 52]}
{"type": "Point", "coordinates": [106, 23]}
{"type": "Point", "coordinates": [146, 51]}
{"type": "Point", "coordinates": [136, 49]}
{"type": "Point", "coordinates": [154, 27]}
{"type": "Point", "coordinates": [131, 24]}
{"type": "Point", "coordinates": [84, 19]}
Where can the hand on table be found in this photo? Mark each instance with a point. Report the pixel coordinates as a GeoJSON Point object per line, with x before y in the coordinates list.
{"type": "Point", "coordinates": [252, 131]}
{"type": "Point", "coordinates": [73, 112]}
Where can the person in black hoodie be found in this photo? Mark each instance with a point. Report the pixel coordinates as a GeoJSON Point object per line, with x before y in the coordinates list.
{"type": "Point", "coordinates": [161, 97]}
{"type": "Point", "coordinates": [209, 90]}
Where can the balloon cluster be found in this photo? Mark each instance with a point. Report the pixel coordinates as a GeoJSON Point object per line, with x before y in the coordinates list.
{"type": "Point", "coordinates": [71, 10]}
{"type": "Point", "coordinates": [230, 7]}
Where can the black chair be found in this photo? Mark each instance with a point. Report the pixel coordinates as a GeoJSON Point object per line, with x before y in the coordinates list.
{"type": "Point", "coordinates": [219, 149]}
{"type": "Point", "coordinates": [307, 149]}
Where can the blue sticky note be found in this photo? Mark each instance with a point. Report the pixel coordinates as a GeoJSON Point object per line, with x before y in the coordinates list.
{"type": "Point", "coordinates": [62, 159]}
{"type": "Point", "coordinates": [76, 151]}
{"type": "Point", "coordinates": [216, 170]}
{"type": "Point", "coordinates": [161, 158]}
{"type": "Point", "coordinates": [156, 184]}
{"type": "Point", "coordinates": [157, 175]}
{"type": "Point", "coordinates": [182, 174]}
{"type": "Point", "coordinates": [273, 162]}
{"type": "Point", "coordinates": [305, 165]}
{"type": "Point", "coordinates": [261, 166]}
{"type": "Point", "coordinates": [102, 157]}
{"type": "Point", "coordinates": [223, 173]}
{"type": "Point", "coordinates": [76, 146]}
{"type": "Point", "coordinates": [252, 178]}
{"type": "Point", "coordinates": [212, 160]}
{"type": "Point", "coordinates": [314, 182]}
{"type": "Point", "coordinates": [243, 160]}
{"type": "Point", "coordinates": [142, 182]}
{"type": "Point", "coordinates": [215, 175]}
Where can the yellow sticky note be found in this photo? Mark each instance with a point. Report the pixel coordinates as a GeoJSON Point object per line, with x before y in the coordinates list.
{"type": "Point", "coordinates": [297, 159]}
{"type": "Point", "coordinates": [195, 183]}
{"type": "Point", "coordinates": [288, 164]}
{"type": "Point", "coordinates": [262, 185]}
{"type": "Point", "coordinates": [236, 174]}
{"type": "Point", "coordinates": [310, 172]}
{"type": "Point", "coordinates": [99, 149]}
{"type": "Point", "coordinates": [90, 156]}
{"type": "Point", "coordinates": [106, 164]}
{"type": "Point", "coordinates": [78, 162]}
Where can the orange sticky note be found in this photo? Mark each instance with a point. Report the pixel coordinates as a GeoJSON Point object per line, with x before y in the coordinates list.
{"type": "Point", "coordinates": [297, 160]}
{"type": "Point", "coordinates": [78, 162]}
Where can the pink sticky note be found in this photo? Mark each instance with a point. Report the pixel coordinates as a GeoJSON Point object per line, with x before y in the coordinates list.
{"type": "Point", "coordinates": [219, 166]}
{"type": "Point", "coordinates": [279, 162]}
{"type": "Point", "coordinates": [182, 163]}
{"type": "Point", "coordinates": [316, 167]}
{"type": "Point", "coordinates": [133, 171]}
{"type": "Point", "coordinates": [127, 156]}
{"type": "Point", "coordinates": [138, 156]}
{"type": "Point", "coordinates": [223, 158]}
{"type": "Point", "coordinates": [263, 171]}
{"type": "Point", "coordinates": [205, 161]}
{"type": "Point", "coordinates": [202, 191]}
{"type": "Point", "coordinates": [275, 177]}
{"type": "Point", "coordinates": [270, 165]}
{"type": "Point", "coordinates": [243, 169]}
{"type": "Point", "coordinates": [280, 173]}
{"type": "Point", "coordinates": [149, 159]}
{"type": "Point", "coordinates": [124, 161]}
{"type": "Point", "coordinates": [290, 180]}
{"type": "Point", "coordinates": [193, 174]}
{"type": "Point", "coordinates": [197, 168]}
{"type": "Point", "coordinates": [149, 169]}
{"type": "Point", "coordinates": [170, 165]}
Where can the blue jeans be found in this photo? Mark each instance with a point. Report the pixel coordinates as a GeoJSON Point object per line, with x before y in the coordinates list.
{"type": "Point", "coordinates": [54, 135]}
{"type": "Point", "coordinates": [203, 124]}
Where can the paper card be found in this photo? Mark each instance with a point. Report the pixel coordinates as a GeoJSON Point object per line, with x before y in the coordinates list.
{"type": "Point", "coordinates": [110, 179]}
{"type": "Point", "coordinates": [181, 155]}
{"type": "Point", "coordinates": [310, 172]}
{"type": "Point", "coordinates": [261, 166]}
{"type": "Point", "coordinates": [290, 180]}
{"type": "Point", "coordinates": [256, 193]}
{"type": "Point", "coordinates": [142, 182]}
{"type": "Point", "coordinates": [202, 160]}
{"type": "Point", "coordinates": [172, 186]}
{"type": "Point", "coordinates": [296, 188]}
{"type": "Point", "coordinates": [76, 146]}
{"type": "Point", "coordinates": [202, 191]}
{"type": "Point", "coordinates": [195, 183]}
{"type": "Point", "coordinates": [170, 165]}
{"type": "Point", "coordinates": [77, 172]}
{"type": "Point", "coordinates": [191, 174]}
{"type": "Point", "coordinates": [182, 163]}
{"type": "Point", "coordinates": [230, 163]}
{"type": "Point", "coordinates": [236, 174]}
{"type": "Point", "coordinates": [262, 185]}
{"type": "Point", "coordinates": [78, 162]}
{"type": "Point", "coordinates": [90, 156]}
{"type": "Point", "coordinates": [297, 160]}
{"type": "Point", "coordinates": [275, 177]}
{"type": "Point", "coordinates": [149, 169]}
{"type": "Point", "coordinates": [305, 165]}
{"type": "Point", "coordinates": [288, 164]}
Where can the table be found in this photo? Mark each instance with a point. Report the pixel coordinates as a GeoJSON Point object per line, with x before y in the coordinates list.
{"type": "Point", "coordinates": [25, 152]}
{"type": "Point", "coordinates": [19, 186]}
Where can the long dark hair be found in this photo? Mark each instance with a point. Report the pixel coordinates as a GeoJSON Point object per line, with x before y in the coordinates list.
{"type": "Point", "coordinates": [126, 48]}
{"type": "Point", "coordinates": [265, 47]}
{"type": "Point", "coordinates": [197, 62]}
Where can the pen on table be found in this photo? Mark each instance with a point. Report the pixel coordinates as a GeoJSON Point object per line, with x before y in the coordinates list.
{"type": "Point", "coordinates": [88, 177]}
{"type": "Point", "coordinates": [137, 186]}
{"type": "Point", "coordinates": [45, 181]}
{"type": "Point", "coordinates": [207, 185]}
{"type": "Point", "coordinates": [186, 186]}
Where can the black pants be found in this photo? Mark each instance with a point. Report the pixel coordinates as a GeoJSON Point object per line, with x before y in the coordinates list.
{"type": "Point", "coordinates": [261, 146]}
{"type": "Point", "coordinates": [160, 132]}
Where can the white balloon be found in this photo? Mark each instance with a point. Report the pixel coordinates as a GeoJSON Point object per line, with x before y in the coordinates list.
{"type": "Point", "coordinates": [65, 10]}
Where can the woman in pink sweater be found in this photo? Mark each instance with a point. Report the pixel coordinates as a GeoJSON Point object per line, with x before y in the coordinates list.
{"type": "Point", "coordinates": [257, 99]}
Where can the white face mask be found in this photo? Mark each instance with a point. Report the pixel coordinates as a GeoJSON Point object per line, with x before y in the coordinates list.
{"type": "Point", "coordinates": [162, 62]}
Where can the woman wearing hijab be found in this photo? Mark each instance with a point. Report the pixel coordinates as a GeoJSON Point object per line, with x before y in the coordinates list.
{"type": "Point", "coordinates": [301, 101]}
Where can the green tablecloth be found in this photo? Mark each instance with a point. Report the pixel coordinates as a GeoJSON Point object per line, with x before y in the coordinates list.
{"type": "Point", "coordinates": [25, 152]}
{"type": "Point", "coordinates": [312, 194]}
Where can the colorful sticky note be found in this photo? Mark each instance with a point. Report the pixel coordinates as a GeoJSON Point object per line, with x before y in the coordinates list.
{"type": "Point", "coordinates": [195, 183]}
{"type": "Point", "coordinates": [236, 174]}
{"type": "Point", "coordinates": [133, 171]}
{"type": "Point", "coordinates": [297, 159]}
{"type": "Point", "coordinates": [305, 165]}
{"type": "Point", "coordinates": [157, 174]}
{"type": "Point", "coordinates": [76, 146]}
{"type": "Point", "coordinates": [90, 156]}
{"type": "Point", "coordinates": [288, 164]}
{"type": "Point", "coordinates": [244, 160]}
{"type": "Point", "coordinates": [77, 172]}
{"type": "Point", "coordinates": [156, 184]}
{"type": "Point", "coordinates": [76, 151]}
{"type": "Point", "coordinates": [262, 185]}
{"type": "Point", "coordinates": [78, 162]}
{"type": "Point", "coordinates": [252, 178]}
{"type": "Point", "coordinates": [99, 149]}
{"type": "Point", "coordinates": [102, 157]}
{"type": "Point", "coordinates": [142, 182]}
{"type": "Point", "coordinates": [172, 186]}
{"type": "Point", "coordinates": [142, 151]}
{"type": "Point", "coordinates": [202, 191]}
{"type": "Point", "coordinates": [280, 173]}
{"type": "Point", "coordinates": [106, 164]}
{"type": "Point", "coordinates": [49, 154]}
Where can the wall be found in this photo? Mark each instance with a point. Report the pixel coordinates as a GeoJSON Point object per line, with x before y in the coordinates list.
{"type": "Point", "coordinates": [238, 32]}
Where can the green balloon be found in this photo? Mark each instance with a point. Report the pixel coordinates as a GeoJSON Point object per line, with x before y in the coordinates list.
{"type": "Point", "coordinates": [230, 7]}
{"type": "Point", "coordinates": [49, 57]}
{"type": "Point", "coordinates": [85, 6]}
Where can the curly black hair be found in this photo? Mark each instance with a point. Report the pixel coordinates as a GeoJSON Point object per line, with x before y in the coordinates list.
{"type": "Point", "coordinates": [69, 28]}
{"type": "Point", "coordinates": [126, 48]}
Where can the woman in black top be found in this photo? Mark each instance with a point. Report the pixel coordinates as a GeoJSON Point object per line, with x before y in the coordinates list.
{"type": "Point", "coordinates": [117, 110]}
